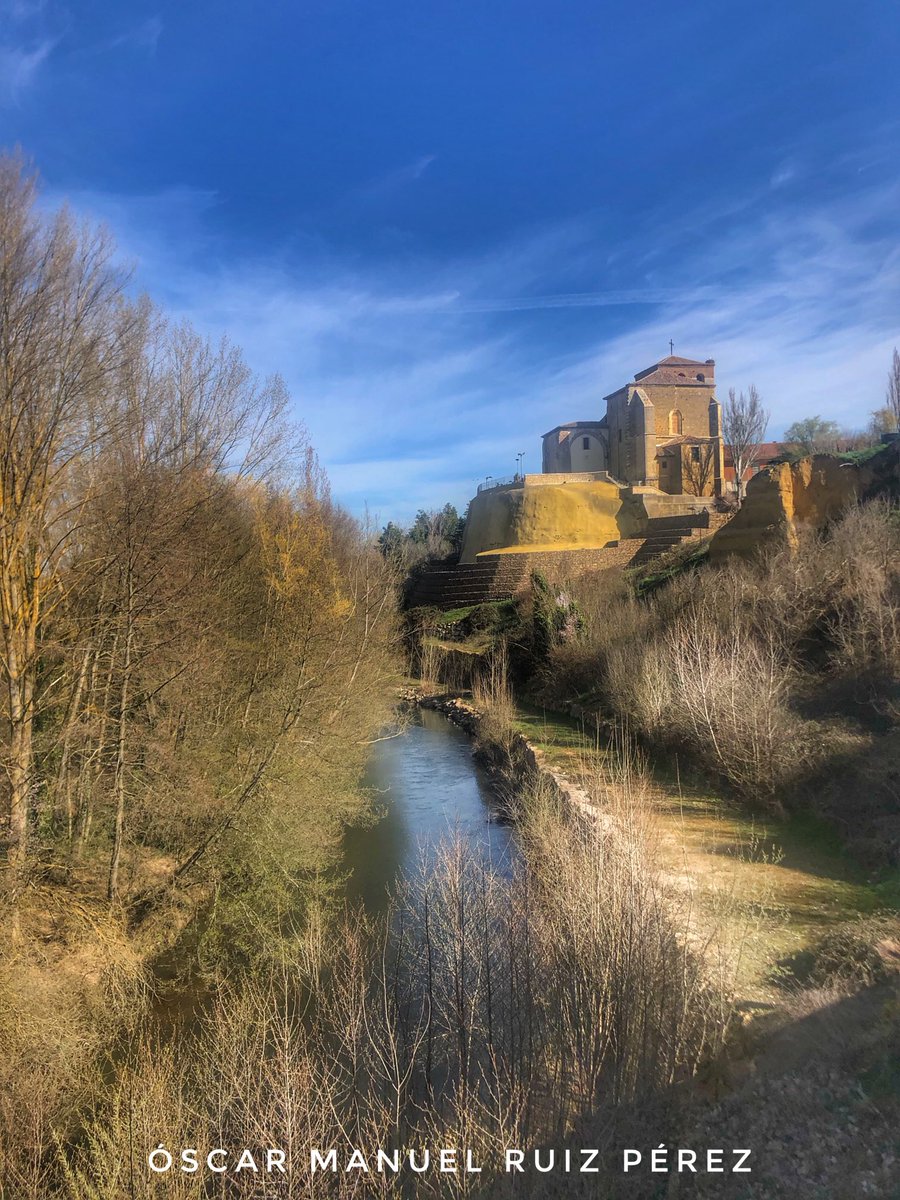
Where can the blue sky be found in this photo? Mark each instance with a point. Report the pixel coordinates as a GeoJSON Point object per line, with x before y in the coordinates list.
{"type": "Point", "coordinates": [454, 224]}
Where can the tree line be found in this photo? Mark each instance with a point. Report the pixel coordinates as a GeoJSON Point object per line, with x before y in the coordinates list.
{"type": "Point", "coordinates": [186, 614]}
{"type": "Point", "coordinates": [434, 535]}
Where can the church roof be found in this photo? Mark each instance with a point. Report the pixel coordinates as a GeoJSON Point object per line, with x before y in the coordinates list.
{"type": "Point", "coordinates": [682, 371]}
{"type": "Point", "coordinates": [765, 452]}
{"type": "Point", "coordinates": [684, 439]}
{"type": "Point", "coordinates": [600, 423]}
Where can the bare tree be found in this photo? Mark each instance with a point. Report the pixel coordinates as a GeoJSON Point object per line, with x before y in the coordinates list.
{"type": "Point", "coordinates": [882, 420]}
{"type": "Point", "coordinates": [700, 469]}
{"type": "Point", "coordinates": [58, 336]}
{"type": "Point", "coordinates": [744, 423]}
{"type": "Point", "coordinates": [893, 389]}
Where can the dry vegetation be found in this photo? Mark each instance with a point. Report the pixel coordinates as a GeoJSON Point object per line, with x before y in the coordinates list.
{"type": "Point", "coordinates": [550, 1003]}
{"type": "Point", "coordinates": [773, 673]}
{"type": "Point", "coordinates": [195, 643]}
{"type": "Point", "coordinates": [194, 646]}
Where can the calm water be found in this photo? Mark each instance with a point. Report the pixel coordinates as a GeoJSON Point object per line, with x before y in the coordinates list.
{"type": "Point", "coordinates": [430, 789]}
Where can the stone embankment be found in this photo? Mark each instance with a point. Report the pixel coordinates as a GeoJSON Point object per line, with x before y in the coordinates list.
{"type": "Point", "coordinates": [507, 573]}
{"type": "Point", "coordinates": [520, 762]}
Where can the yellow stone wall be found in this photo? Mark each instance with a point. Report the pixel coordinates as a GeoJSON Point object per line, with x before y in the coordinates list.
{"type": "Point", "coordinates": [569, 515]}
{"type": "Point", "coordinates": [693, 403]}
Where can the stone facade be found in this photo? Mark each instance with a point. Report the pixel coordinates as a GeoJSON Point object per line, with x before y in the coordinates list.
{"type": "Point", "coordinates": [576, 447]}
{"type": "Point", "coordinates": [663, 430]}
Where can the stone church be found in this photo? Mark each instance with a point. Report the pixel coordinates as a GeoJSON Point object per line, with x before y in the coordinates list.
{"type": "Point", "coordinates": [645, 475]}
{"type": "Point", "coordinates": [662, 431]}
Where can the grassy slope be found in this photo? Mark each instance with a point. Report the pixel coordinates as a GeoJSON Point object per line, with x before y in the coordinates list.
{"type": "Point", "coordinates": [786, 881]}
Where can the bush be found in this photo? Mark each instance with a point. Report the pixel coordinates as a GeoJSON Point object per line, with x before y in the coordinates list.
{"type": "Point", "coordinates": [720, 661]}
{"type": "Point", "coordinates": [860, 952]}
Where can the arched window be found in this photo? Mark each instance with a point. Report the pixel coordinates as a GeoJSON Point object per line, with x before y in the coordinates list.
{"type": "Point", "coordinates": [676, 423]}
{"type": "Point", "coordinates": [702, 377]}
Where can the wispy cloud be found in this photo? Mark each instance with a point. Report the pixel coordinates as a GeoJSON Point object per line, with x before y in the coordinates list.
{"type": "Point", "coordinates": [785, 174]}
{"type": "Point", "coordinates": [415, 381]}
{"type": "Point", "coordinates": [386, 185]}
{"type": "Point", "coordinates": [143, 36]}
{"type": "Point", "coordinates": [614, 298]}
{"type": "Point", "coordinates": [19, 67]}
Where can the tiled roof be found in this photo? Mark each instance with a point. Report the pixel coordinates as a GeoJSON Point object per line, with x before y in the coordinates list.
{"type": "Point", "coordinates": [681, 371]}
{"type": "Point", "coordinates": [576, 425]}
{"type": "Point", "coordinates": [767, 451]}
{"type": "Point", "coordinates": [683, 439]}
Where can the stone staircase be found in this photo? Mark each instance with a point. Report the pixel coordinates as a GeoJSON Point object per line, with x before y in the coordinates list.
{"type": "Point", "coordinates": [498, 577]}
{"type": "Point", "coordinates": [502, 576]}
{"type": "Point", "coordinates": [664, 533]}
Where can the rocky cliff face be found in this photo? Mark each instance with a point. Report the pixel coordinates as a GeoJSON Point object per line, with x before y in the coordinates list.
{"type": "Point", "coordinates": [810, 492]}
{"type": "Point", "coordinates": [549, 515]}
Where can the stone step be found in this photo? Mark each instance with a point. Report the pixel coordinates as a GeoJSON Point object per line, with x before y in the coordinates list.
{"type": "Point", "coordinates": [472, 583]}
{"type": "Point", "coordinates": [655, 547]}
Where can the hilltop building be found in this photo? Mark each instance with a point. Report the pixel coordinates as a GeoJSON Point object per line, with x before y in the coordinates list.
{"type": "Point", "coordinates": [664, 431]}
{"type": "Point", "coordinates": [646, 472]}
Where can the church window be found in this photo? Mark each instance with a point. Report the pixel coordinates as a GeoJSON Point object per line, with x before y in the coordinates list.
{"type": "Point", "coordinates": [702, 377]}
{"type": "Point", "coordinates": [676, 423]}
{"type": "Point", "coordinates": [586, 443]}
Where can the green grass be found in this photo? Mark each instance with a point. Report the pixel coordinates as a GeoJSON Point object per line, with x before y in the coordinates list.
{"type": "Point", "coordinates": [458, 614]}
{"type": "Point", "coordinates": [475, 628]}
{"type": "Point", "coordinates": [792, 880]}
{"type": "Point", "coordinates": [564, 741]}
{"type": "Point", "coordinates": [492, 613]}
{"type": "Point", "coordinates": [857, 457]}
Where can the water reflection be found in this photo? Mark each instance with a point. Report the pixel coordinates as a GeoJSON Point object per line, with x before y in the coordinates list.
{"type": "Point", "coordinates": [430, 788]}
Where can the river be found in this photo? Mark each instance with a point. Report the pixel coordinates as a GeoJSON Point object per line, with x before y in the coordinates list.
{"type": "Point", "coordinates": [428, 788]}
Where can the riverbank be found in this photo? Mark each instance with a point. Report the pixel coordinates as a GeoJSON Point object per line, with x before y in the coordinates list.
{"type": "Point", "coordinates": [517, 763]}
{"type": "Point", "coordinates": [781, 885]}
{"type": "Point", "coordinates": [809, 1056]}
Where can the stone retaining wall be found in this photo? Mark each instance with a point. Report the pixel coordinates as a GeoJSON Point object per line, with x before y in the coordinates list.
{"type": "Point", "coordinates": [525, 760]}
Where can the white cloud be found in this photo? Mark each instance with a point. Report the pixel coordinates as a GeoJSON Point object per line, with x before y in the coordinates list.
{"type": "Point", "coordinates": [19, 68]}
{"type": "Point", "coordinates": [416, 382]}
{"type": "Point", "coordinates": [143, 36]}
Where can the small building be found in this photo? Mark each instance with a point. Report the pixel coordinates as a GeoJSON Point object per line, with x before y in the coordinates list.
{"type": "Point", "coordinates": [687, 466]}
{"type": "Point", "coordinates": [767, 453]}
{"type": "Point", "coordinates": [575, 447]}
